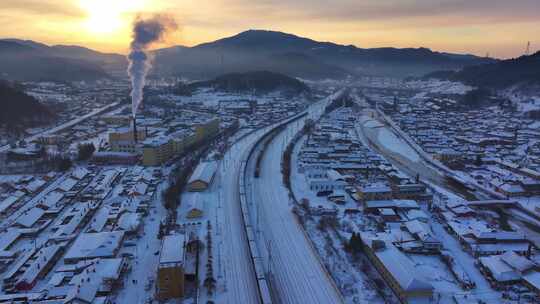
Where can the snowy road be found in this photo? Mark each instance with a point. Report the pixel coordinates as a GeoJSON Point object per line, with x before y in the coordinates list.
{"type": "Point", "coordinates": [296, 272]}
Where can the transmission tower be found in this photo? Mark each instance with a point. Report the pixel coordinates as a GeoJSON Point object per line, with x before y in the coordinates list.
{"type": "Point", "coordinates": [528, 49]}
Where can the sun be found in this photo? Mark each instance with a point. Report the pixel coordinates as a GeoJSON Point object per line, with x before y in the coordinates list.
{"type": "Point", "coordinates": [108, 16]}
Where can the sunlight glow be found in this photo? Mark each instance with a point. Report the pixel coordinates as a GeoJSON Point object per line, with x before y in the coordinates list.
{"type": "Point", "coordinates": [108, 16]}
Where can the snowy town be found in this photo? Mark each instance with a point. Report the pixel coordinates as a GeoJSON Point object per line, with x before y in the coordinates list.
{"type": "Point", "coordinates": [168, 152]}
{"type": "Point", "coordinates": [184, 207]}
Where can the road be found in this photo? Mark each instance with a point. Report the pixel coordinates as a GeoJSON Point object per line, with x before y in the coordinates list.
{"type": "Point", "coordinates": [297, 275]}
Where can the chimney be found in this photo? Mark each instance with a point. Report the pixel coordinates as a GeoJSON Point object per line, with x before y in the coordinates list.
{"type": "Point", "coordinates": [135, 129]}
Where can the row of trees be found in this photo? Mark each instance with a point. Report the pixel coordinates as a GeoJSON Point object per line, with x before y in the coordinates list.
{"type": "Point", "coordinates": [85, 151]}
{"type": "Point", "coordinates": [190, 159]}
{"type": "Point", "coordinates": [287, 155]}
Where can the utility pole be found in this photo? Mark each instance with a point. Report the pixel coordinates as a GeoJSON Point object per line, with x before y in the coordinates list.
{"type": "Point", "coordinates": [269, 258]}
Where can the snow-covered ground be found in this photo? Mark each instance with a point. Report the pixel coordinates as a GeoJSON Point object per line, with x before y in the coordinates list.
{"type": "Point", "coordinates": [239, 284]}
{"type": "Point", "coordinates": [297, 274]}
{"type": "Point", "coordinates": [138, 284]}
{"type": "Point", "coordinates": [389, 140]}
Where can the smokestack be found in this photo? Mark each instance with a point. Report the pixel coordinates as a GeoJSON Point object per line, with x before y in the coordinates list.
{"type": "Point", "coordinates": [135, 130]}
{"type": "Point", "coordinates": [145, 32]}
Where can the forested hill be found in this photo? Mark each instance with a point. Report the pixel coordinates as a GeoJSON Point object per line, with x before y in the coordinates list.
{"type": "Point", "coordinates": [257, 81]}
{"type": "Point", "coordinates": [19, 109]}
{"type": "Point", "coordinates": [499, 75]}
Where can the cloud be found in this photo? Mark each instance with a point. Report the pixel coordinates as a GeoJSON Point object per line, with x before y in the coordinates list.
{"type": "Point", "coordinates": [452, 24]}
{"type": "Point", "coordinates": [52, 8]}
{"type": "Point", "coordinates": [384, 11]}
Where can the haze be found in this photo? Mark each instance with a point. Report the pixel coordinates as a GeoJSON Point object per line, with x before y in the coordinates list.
{"type": "Point", "coordinates": [478, 27]}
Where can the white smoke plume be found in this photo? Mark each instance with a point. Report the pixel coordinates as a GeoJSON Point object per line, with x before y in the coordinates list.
{"type": "Point", "coordinates": [145, 33]}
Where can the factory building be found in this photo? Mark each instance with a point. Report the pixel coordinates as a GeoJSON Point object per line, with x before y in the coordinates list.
{"type": "Point", "coordinates": [397, 270]}
{"type": "Point", "coordinates": [206, 129]}
{"type": "Point", "coordinates": [122, 140]}
{"type": "Point", "coordinates": [160, 147]}
{"type": "Point", "coordinates": [157, 151]}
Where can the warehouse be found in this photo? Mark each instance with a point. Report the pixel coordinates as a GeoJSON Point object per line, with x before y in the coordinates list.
{"type": "Point", "coordinates": [170, 277]}
{"type": "Point", "coordinates": [202, 178]}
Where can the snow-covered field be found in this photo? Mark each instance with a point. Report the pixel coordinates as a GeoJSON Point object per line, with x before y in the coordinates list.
{"type": "Point", "coordinates": [389, 140]}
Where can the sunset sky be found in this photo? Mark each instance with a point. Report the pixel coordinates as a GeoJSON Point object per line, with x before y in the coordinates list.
{"type": "Point", "coordinates": [500, 27]}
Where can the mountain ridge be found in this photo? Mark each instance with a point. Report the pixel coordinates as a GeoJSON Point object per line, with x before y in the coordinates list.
{"type": "Point", "coordinates": [238, 53]}
{"type": "Point", "coordinates": [26, 60]}
{"type": "Point", "coordinates": [499, 75]}
{"type": "Point", "coordinates": [269, 50]}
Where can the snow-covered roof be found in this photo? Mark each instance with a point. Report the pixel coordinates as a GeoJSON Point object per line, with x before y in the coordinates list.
{"type": "Point", "coordinates": [204, 172]}
{"type": "Point", "coordinates": [35, 185]}
{"type": "Point", "coordinates": [375, 189]}
{"type": "Point", "coordinates": [43, 257]}
{"type": "Point", "coordinates": [51, 199]}
{"type": "Point", "coordinates": [402, 269]}
{"type": "Point", "coordinates": [533, 278]}
{"type": "Point", "coordinates": [499, 270]}
{"type": "Point", "coordinates": [67, 184]}
{"type": "Point", "coordinates": [516, 261]}
{"type": "Point", "coordinates": [99, 221]}
{"type": "Point", "coordinates": [387, 212]}
{"type": "Point", "coordinates": [405, 204]}
{"type": "Point", "coordinates": [79, 173]}
{"type": "Point", "coordinates": [30, 217]}
{"type": "Point", "coordinates": [172, 249]}
{"type": "Point", "coordinates": [334, 175]}
{"type": "Point", "coordinates": [56, 279]}
{"type": "Point", "coordinates": [416, 214]}
{"type": "Point", "coordinates": [7, 238]}
{"type": "Point", "coordinates": [196, 202]}
{"type": "Point", "coordinates": [417, 227]}
{"type": "Point", "coordinates": [94, 245]}
{"type": "Point", "coordinates": [129, 221]}
{"type": "Point", "coordinates": [77, 213]}
{"type": "Point", "coordinates": [501, 235]}
{"type": "Point", "coordinates": [7, 203]}
{"type": "Point", "coordinates": [139, 189]}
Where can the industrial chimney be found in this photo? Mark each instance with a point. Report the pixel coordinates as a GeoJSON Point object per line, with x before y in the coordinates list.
{"type": "Point", "coordinates": [135, 129]}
